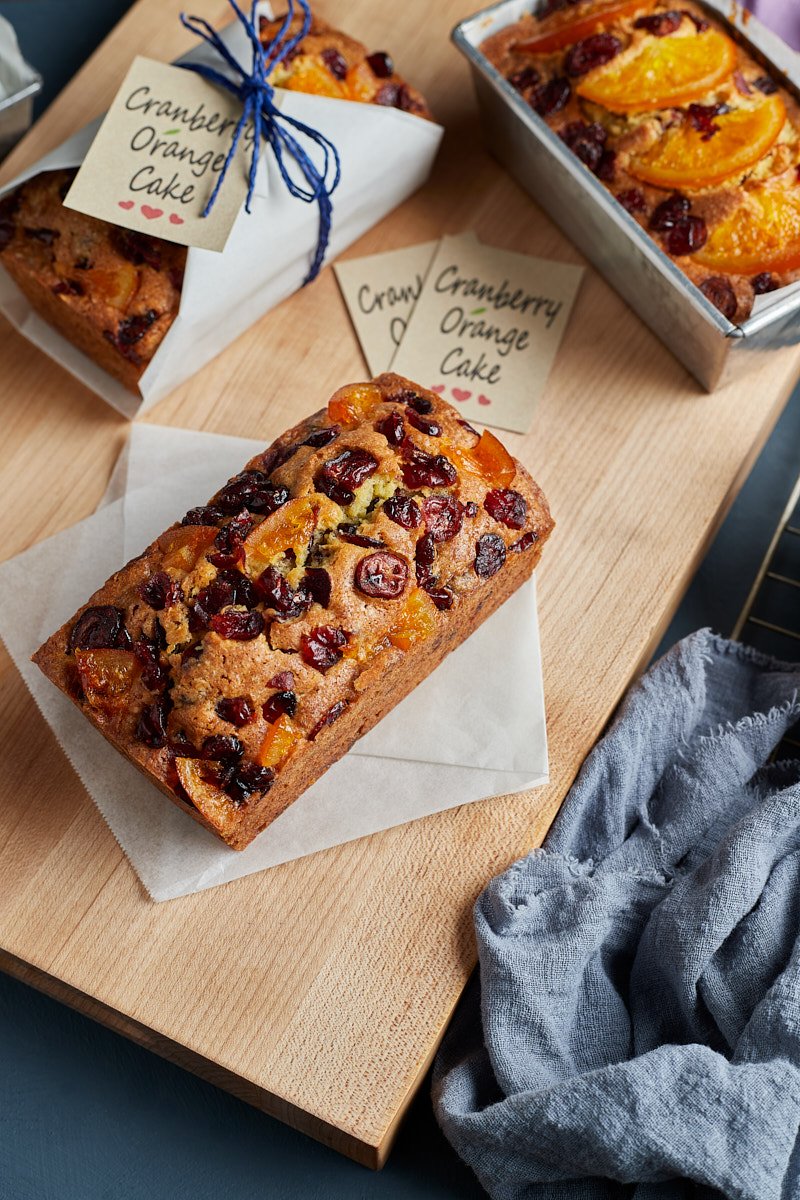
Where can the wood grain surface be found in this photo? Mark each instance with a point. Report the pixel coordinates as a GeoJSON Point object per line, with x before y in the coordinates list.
{"type": "Point", "coordinates": [319, 990]}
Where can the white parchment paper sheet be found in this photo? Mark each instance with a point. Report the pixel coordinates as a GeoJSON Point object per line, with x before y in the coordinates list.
{"type": "Point", "coordinates": [474, 728]}
{"type": "Point", "coordinates": [386, 154]}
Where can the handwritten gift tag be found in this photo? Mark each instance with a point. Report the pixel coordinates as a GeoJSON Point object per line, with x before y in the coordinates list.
{"type": "Point", "coordinates": [380, 291]}
{"type": "Point", "coordinates": [158, 154]}
{"type": "Point", "coordinates": [486, 328]}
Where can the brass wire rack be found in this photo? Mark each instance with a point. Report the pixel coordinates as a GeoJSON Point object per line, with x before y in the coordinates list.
{"type": "Point", "coordinates": [770, 619]}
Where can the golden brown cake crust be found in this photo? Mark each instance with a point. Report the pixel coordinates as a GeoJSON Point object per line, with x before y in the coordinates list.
{"type": "Point", "coordinates": [245, 651]}
{"type": "Point", "coordinates": [625, 136]}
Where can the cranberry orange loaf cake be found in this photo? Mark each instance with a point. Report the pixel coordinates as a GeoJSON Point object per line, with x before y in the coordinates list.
{"type": "Point", "coordinates": [690, 134]}
{"type": "Point", "coordinates": [114, 293]}
{"type": "Point", "coordinates": [252, 643]}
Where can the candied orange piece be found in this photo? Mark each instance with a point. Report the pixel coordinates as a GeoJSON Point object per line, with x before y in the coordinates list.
{"type": "Point", "coordinates": [207, 798]}
{"type": "Point", "coordinates": [488, 458]}
{"type": "Point", "coordinates": [116, 286]}
{"type": "Point", "coordinates": [280, 740]}
{"type": "Point", "coordinates": [183, 547]}
{"type": "Point", "coordinates": [417, 621]}
{"type": "Point", "coordinates": [686, 158]}
{"type": "Point", "coordinates": [353, 403]}
{"type": "Point", "coordinates": [568, 29]}
{"type": "Point", "coordinates": [288, 528]}
{"type": "Point", "coordinates": [106, 675]}
{"type": "Point", "coordinates": [761, 234]}
{"type": "Point", "coordinates": [310, 74]}
{"type": "Point", "coordinates": [662, 72]}
{"type": "Point", "coordinates": [361, 83]}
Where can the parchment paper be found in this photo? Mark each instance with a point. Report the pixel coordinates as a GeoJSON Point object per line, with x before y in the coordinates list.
{"type": "Point", "coordinates": [474, 728]}
{"type": "Point", "coordinates": [386, 154]}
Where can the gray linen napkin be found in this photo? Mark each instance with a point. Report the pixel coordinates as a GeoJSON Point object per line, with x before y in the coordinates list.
{"type": "Point", "coordinates": [635, 1030]}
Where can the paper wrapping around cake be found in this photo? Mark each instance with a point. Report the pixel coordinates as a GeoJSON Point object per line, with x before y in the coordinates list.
{"type": "Point", "coordinates": [385, 154]}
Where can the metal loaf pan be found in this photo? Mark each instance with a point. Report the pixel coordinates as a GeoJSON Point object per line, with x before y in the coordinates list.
{"type": "Point", "coordinates": [676, 311]}
{"type": "Point", "coordinates": [16, 110]}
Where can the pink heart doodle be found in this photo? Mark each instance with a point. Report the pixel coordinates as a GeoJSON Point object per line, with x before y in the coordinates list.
{"type": "Point", "coordinates": [438, 388]}
{"type": "Point", "coordinates": [174, 219]}
{"type": "Point", "coordinates": [460, 394]}
{"type": "Point", "coordinates": [126, 204]}
{"type": "Point", "coordinates": [483, 399]}
{"type": "Point", "coordinates": [151, 213]}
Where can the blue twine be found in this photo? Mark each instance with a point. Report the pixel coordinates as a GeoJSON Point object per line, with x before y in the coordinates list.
{"type": "Point", "coordinates": [256, 94]}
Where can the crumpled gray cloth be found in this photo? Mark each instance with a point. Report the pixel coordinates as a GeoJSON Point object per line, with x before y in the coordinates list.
{"type": "Point", "coordinates": [635, 1029]}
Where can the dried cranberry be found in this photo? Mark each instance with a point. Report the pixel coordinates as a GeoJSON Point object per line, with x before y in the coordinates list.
{"type": "Point", "coordinates": [442, 597]}
{"type": "Point", "coordinates": [283, 681]}
{"type": "Point", "coordinates": [138, 248]}
{"type": "Point", "coordinates": [490, 554]}
{"type": "Point", "coordinates": [229, 541]}
{"type": "Point", "coordinates": [253, 490]}
{"type": "Point", "coordinates": [101, 627]}
{"type": "Point", "coordinates": [151, 728]}
{"type": "Point", "coordinates": [335, 62]}
{"type": "Point", "coordinates": [444, 516]}
{"type": "Point", "coordinates": [395, 95]}
{"type": "Point", "coordinates": [392, 428]}
{"type": "Point", "coordinates": [333, 714]}
{"type": "Point", "coordinates": [525, 542]}
{"type": "Point", "coordinates": [592, 52]}
{"type": "Point", "coordinates": [766, 85]}
{"type": "Point", "coordinates": [278, 594]}
{"type": "Point", "coordinates": [68, 287]}
{"type": "Point", "coordinates": [554, 6]}
{"type": "Point", "coordinates": [524, 79]}
{"type": "Point", "coordinates": [132, 329]}
{"type": "Point", "coordinates": [229, 587]}
{"type": "Point", "coordinates": [420, 404]}
{"type": "Point", "coordinates": [506, 506]}
{"type": "Point", "coordinates": [347, 533]}
{"type": "Point", "coordinates": [607, 167]}
{"type": "Point", "coordinates": [248, 778]}
{"type": "Point", "coordinates": [237, 626]}
{"type": "Point", "coordinates": [382, 575]}
{"type": "Point", "coordinates": [719, 291]}
{"type": "Point", "coordinates": [425, 424]}
{"type": "Point", "coordinates": [221, 746]}
{"type": "Point", "coordinates": [339, 477]}
{"type": "Point", "coordinates": [670, 212]}
{"type": "Point", "coordinates": [552, 96]}
{"type": "Point", "coordinates": [632, 200]}
{"type": "Point", "coordinates": [322, 437]}
{"type": "Point", "coordinates": [281, 704]}
{"type": "Point", "coordinates": [237, 710]}
{"type": "Point", "coordinates": [160, 591]}
{"type": "Point", "coordinates": [206, 515]}
{"type": "Point", "coordinates": [380, 64]}
{"type": "Point", "coordinates": [470, 509]}
{"type": "Point", "coordinates": [425, 552]}
{"type": "Point", "coordinates": [702, 118]}
{"type": "Point", "coordinates": [317, 583]}
{"type": "Point", "coordinates": [763, 283]}
{"type": "Point", "coordinates": [427, 470]}
{"type": "Point", "coordinates": [83, 263]}
{"type": "Point", "coordinates": [155, 673]}
{"type": "Point", "coordinates": [688, 235]}
{"type": "Point", "coordinates": [585, 141]}
{"type": "Point", "coordinates": [43, 235]}
{"type": "Point", "coordinates": [403, 510]}
{"type": "Point", "coordinates": [660, 24]}
{"type": "Point", "coordinates": [322, 647]}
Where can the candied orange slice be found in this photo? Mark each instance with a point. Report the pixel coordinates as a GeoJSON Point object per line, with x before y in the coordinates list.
{"type": "Point", "coordinates": [281, 739]}
{"type": "Point", "coordinates": [661, 73]}
{"type": "Point", "coordinates": [207, 798]}
{"type": "Point", "coordinates": [686, 158]}
{"type": "Point", "coordinates": [417, 621]}
{"type": "Point", "coordinates": [106, 675]}
{"type": "Point", "coordinates": [353, 403]}
{"type": "Point", "coordinates": [568, 29]}
{"type": "Point", "coordinates": [310, 74]}
{"type": "Point", "coordinates": [761, 234]}
{"type": "Point", "coordinates": [487, 458]}
{"type": "Point", "coordinates": [116, 286]}
{"type": "Point", "coordinates": [183, 547]}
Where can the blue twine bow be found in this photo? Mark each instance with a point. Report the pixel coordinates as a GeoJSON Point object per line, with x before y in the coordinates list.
{"type": "Point", "coordinates": [256, 94]}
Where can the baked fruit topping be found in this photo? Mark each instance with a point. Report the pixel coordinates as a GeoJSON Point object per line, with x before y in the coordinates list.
{"type": "Point", "coordinates": [762, 234]}
{"type": "Point", "coordinates": [568, 26]}
{"type": "Point", "coordinates": [236, 658]}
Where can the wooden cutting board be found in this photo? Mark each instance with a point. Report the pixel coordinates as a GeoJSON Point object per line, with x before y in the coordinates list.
{"type": "Point", "coordinates": [319, 990]}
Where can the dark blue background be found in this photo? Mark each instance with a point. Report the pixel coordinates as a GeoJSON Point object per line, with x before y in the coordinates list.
{"type": "Point", "coordinates": [85, 1114]}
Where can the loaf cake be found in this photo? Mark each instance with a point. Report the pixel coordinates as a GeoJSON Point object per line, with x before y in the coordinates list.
{"type": "Point", "coordinates": [115, 293]}
{"type": "Point", "coordinates": [692, 136]}
{"type": "Point", "coordinates": [252, 643]}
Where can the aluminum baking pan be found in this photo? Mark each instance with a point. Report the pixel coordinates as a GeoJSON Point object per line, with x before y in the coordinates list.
{"type": "Point", "coordinates": [676, 311]}
{"type": "Point", "coordinates": [16, 112]}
